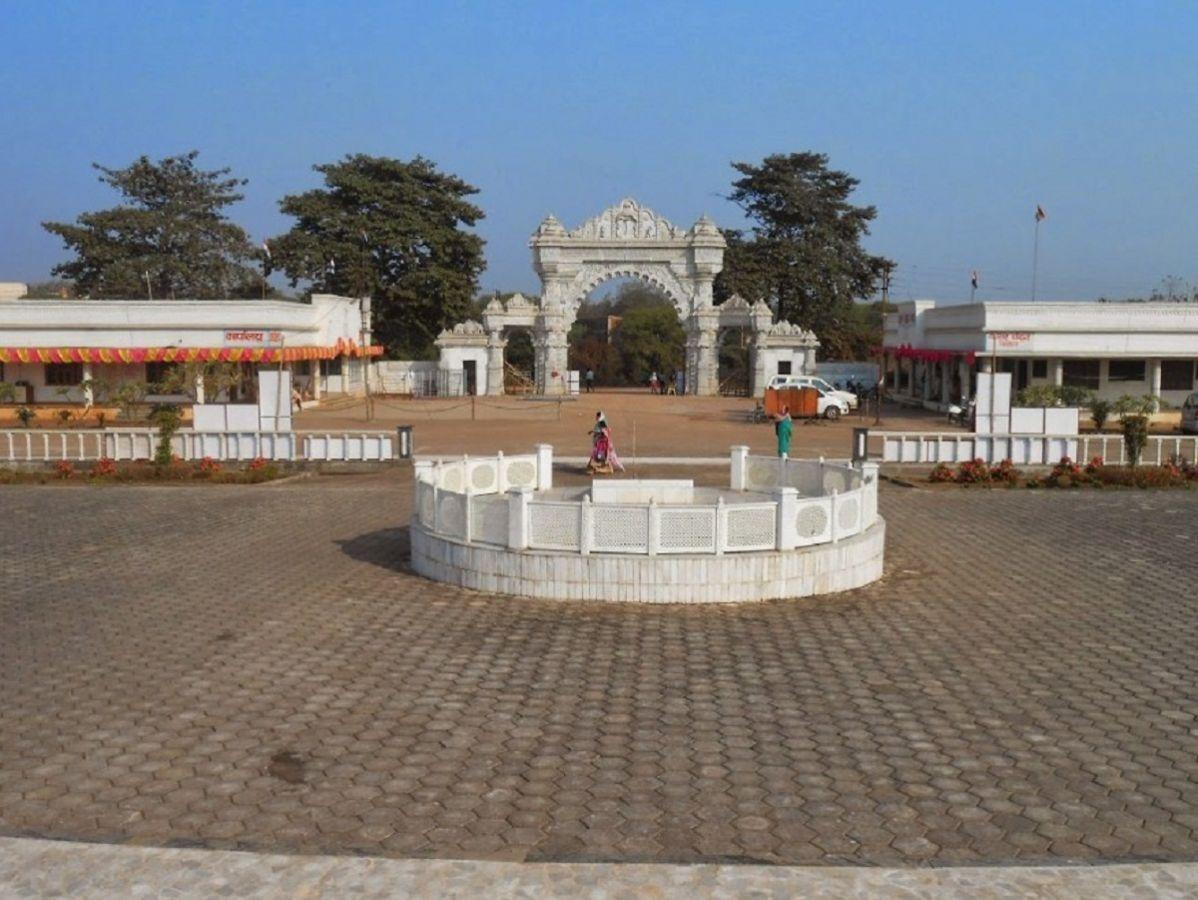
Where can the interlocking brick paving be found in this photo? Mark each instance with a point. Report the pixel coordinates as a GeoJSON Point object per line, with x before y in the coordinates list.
{"type": "Point", "coordinates": [254, 668]}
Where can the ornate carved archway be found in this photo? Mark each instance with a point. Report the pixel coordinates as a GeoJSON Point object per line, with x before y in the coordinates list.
{"type": "Point", "coordinates": [629, 240]}
{"type": "Point", "coordinates": [632, 241]}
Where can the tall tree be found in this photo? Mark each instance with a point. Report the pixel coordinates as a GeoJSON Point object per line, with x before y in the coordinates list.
{"type": "Point", "coordinates": [395, 231]}
{"type": "Point", "coordinates": [803, 253]}
{"type": "Point", "coordinates": [169, 228]}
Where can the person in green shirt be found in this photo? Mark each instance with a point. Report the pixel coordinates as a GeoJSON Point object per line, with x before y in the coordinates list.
{"type": "Point", "coordinates": [783, 427]}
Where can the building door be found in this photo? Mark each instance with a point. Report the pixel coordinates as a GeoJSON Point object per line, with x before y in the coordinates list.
{"type": "Point", "coordinates": [469, 377]}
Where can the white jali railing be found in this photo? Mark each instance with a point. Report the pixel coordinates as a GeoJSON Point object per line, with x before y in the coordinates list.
{"type": "Point", "coordinates": [786, 504]}
{"type": "Point", "coordinates": [38, 445]}
{"type": "Point", "coordinates": [929, 447]}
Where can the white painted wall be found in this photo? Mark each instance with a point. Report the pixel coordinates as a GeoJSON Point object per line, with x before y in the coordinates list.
{"type": "Point", "coordinates": [452, 359]}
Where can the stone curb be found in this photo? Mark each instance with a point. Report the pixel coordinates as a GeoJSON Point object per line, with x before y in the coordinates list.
{"type": "Point", "coordinates": [41, 868]}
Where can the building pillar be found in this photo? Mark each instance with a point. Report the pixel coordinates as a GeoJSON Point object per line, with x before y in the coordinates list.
{"type": "Point", "coordinates": [966, 372]}
{"type": "Point", "coordinates": [946, 383]}
{"type": "Point", "coordinates": [199, 387]}
{"type": "Point", "coordinates": [1058, 371]}
{"type": "Point", "coordinates": [89, 396]}
{"type": "Point", "coordinates": [927, 382]}
{"type": "Point", "coordinates": [1154, 377]}
{"type": "Point", "coordinates": [495, 347]}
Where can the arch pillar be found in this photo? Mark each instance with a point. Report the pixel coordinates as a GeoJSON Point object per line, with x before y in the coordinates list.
{"type": "Point", "coordinates": [495, 347]}
{"type": "Point", "coordinates": [702, 360]}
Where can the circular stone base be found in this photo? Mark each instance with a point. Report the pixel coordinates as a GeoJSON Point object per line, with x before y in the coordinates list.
{"type": "Point", "coordinates": [730, 578]}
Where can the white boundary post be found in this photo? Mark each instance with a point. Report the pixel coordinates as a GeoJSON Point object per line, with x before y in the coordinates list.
{"type": "Point", "coordinates": [544, 467]}
{"type": "Point", "coordinates": [586, 525]}
{"type": "Point", "coordinates": [786, 506]}
{"type": "Point", "coordinates": [517, 517]}
{"type": "Point", "coordinates": [738, 477]}
{"type": "Point", "coordinates": [720, 527]}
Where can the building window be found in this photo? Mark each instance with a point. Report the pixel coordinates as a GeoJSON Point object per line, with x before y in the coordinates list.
{"type": "Point", "coordinates": [330, 366]}
{"type": "Point", "coordinates": [1176, 374]}
{"type": "Point", "coordinates": [1125, 370]}
{"type": "Point", "coordinates": [64, 374]}
{"type": "Point", "coordinates": [784, 367]}
{"type": "Point", "coordinates": [158, 373]}
{"type": "Point", "coordinates": [1039, 368]}
{"type": "Point", "coordinates": [1083, 373]}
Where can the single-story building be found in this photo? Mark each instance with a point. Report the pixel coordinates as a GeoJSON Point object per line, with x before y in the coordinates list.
{"type": "Point", "coordinates": [51, 349]}
{"type": "Point", "coordinates": [932, 352]}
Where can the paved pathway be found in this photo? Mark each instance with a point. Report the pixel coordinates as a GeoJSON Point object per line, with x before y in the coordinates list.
{"type": "Point", "coordinates": [32, 868]}
{"type": "Point", "coordinates": [254, 669]}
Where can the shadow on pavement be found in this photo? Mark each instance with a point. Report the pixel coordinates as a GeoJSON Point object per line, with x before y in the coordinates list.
{"type": "Point", "coordinates": [388, 548]}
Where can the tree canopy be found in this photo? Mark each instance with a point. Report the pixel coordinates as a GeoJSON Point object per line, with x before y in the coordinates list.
{"type": "Point", "coordinates": [803, 252]}
{"type": "Point", "coordinates": [648, 338]}
{"type": "Point", "coordinates": [395, 231]}
{"type": "Point", "coordinates": [170, 228]}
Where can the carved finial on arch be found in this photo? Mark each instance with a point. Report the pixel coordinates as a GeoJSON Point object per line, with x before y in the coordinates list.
{"type": "Point", "coordinates": [550, 227]}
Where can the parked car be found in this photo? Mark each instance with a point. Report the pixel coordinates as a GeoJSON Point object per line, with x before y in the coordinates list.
{"type": "Point", "coordinates": [1189, 414]}
{"type": "Point", "coordinates": [797, 381]}
{"type": "Point", "coordinates": [831, 404]}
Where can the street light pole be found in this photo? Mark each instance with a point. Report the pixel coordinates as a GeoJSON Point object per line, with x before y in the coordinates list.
{"type": "Point", "coordinates": [881, 385]}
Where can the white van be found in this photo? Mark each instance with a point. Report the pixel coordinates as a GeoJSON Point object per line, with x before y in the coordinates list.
{"type": "Point", "coordinates": [798, 381]}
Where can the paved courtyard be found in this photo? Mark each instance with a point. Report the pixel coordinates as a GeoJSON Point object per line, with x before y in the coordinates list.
{"type": "Point", "coordinates": [255, 669]}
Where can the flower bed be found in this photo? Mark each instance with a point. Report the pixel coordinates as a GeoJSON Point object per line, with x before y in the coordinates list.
{"type": "Point", "coordinates": [1177, 472]}
{"type": "Point", "coordinates": [107, 471]}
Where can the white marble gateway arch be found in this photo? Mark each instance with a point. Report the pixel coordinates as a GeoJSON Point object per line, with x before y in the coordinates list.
{"type": "Point", "coordinates": [629, 240]}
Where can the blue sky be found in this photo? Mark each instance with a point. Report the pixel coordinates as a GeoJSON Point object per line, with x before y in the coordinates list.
{"type": "Point", "coordinates": [957, 119]}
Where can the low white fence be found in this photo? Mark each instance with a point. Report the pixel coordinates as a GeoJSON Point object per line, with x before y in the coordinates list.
{"type": "Point", "coordinates": [492, 500]}
{"type": "Point", "coordinates": [929, 448]}
{"type": "Point", "coordinates": [29, 445]}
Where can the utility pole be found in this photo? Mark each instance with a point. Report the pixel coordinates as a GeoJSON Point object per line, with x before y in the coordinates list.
{"type": "Point", "coordinates": [881, 386]}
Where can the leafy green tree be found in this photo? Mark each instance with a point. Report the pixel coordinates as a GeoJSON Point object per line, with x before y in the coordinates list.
{"type": "Point", "coordinates": [170, 226]}
{"type": "Point", "coordinates": [393, 230]}
{"type": "Point", "coordinates": [650, 338]}
{"type": "Point", "coordinates": [803, 253]}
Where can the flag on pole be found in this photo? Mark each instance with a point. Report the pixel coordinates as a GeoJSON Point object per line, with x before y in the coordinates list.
{"type": "Point", "coordinates": [973, 279]}
{"type": "Point", "coordinates": [1041, 215]}
{"type": "Point", "coordinates": [266, 249]}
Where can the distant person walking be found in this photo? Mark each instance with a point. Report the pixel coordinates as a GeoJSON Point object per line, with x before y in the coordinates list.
{"type": "Point", "coordinates": [783, 427]}
{"type": "Point", "coordinates": [590, 381]}
{"type": "Point", "coordinates": [653, 382]}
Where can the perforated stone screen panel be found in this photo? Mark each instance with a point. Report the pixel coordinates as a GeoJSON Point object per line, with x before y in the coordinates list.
{"type": "Point", "coordinates": [750, 527]}
{"type": "Point", "coordinates": [811, 522]}
{"type": "Point", "coordinates": [489, 519]}
{"type": "Point", "coordinates": [848, 515]}
{"type": "Point", "coordinates": [553, 526]}
{"type": "Point", "coordinates": [521, 473]}
{"type": "Point", "coordinates": [483, 476]}
{"type": "Point", "coordinates": [687, 531]}
{"type": "Point", "coordinates": [620, 529]}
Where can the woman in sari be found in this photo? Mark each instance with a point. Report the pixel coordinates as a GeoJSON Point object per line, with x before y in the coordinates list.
{"type": "Point", "coordinates": [603, 452]}
{"type": "Point", "coordinates": [783, 427]}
